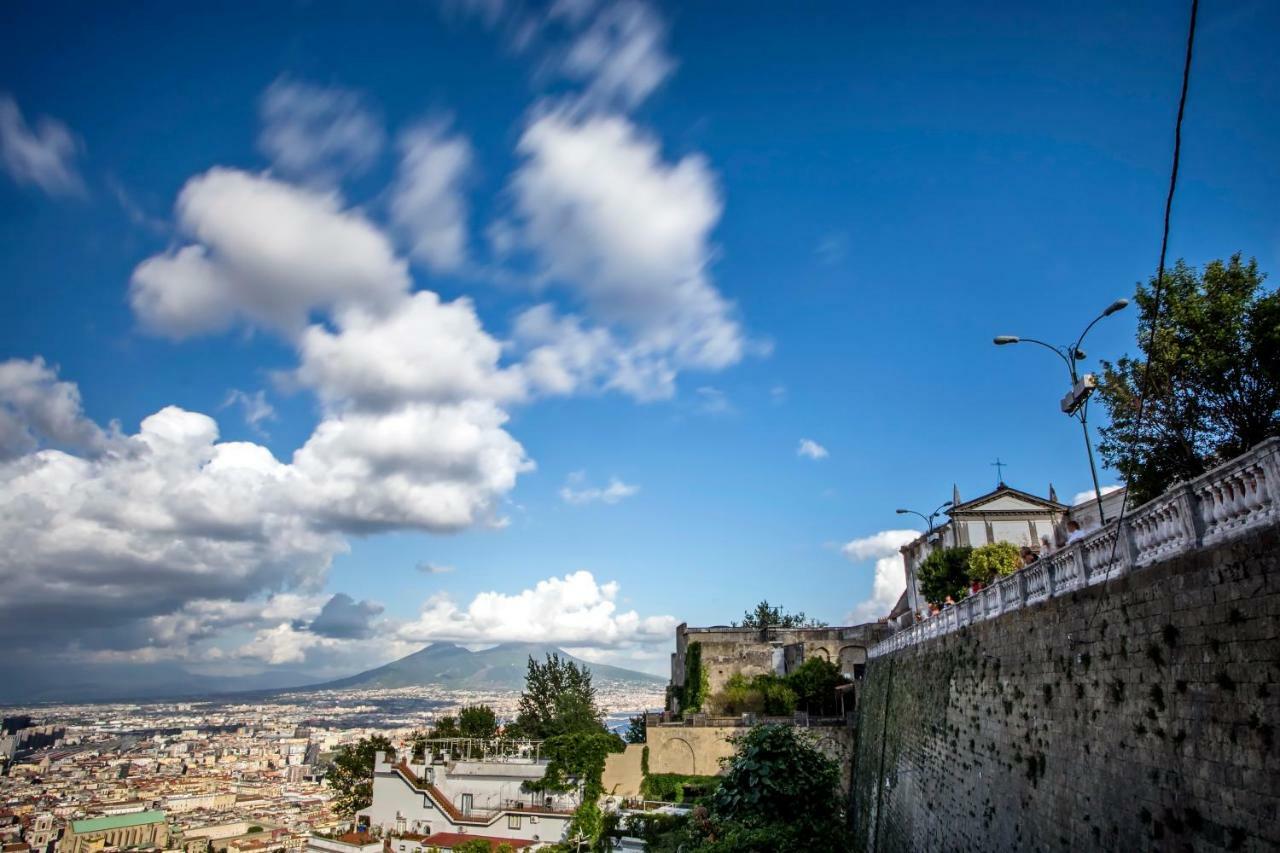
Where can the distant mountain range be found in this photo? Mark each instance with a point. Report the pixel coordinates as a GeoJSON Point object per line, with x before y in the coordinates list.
{"type": "Point", "coordinates": [447, 665]}
{"type": "Point", "coordinates": [502, 667]}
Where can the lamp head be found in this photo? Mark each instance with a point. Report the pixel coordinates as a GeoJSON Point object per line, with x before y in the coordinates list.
{"type": "Point", "coordinates": [948, 503]}
{"type": "Point", "coordinates": [1001, 340]}
{"type": "Point", "coordinates": [1118, 305]}
{"type": "Point", "coordinates": [902, 511]}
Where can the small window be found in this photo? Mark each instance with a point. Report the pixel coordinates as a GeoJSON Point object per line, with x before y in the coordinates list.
{"type": "Point", "coordinates": [513, 821]}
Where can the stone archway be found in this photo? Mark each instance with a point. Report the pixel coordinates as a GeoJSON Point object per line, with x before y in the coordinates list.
{"type": "Point", "coordinates": [852, 659]}
{"type": "Point", "coordinates": [676, 755]}
{"type": "Point", "coordinates": [822, 652]}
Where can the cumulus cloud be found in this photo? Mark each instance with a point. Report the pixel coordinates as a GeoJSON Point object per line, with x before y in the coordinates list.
{"type": "Point", "coordinates": [629, 234]}
{"type": "Point", "coordinates": [43, 157]}
{"type": "Point", "coordinates": [573, 610]}
{"type": "Point", "coordinates": [35, 408]}
{"type": "Point", "coordinates": [1090, 495]}
{"type": "Point", "coordinates": [267, 253]}
{"type": "Point", "coordinates": [318, 134]}
{"type": "Point", "coordinates": [428, 206]}
{"type": "Point", "coordinates": [577, 492]}
{"type": "Point", "coordinates": [154, 521]}
{"type": "Point", "coordinates": [811, 449]}
{"type": "Point", "coordinates": [344, 618]}
{"type": "Point", "coordinates": [890, 573]}
{"type": "Point", "coordinates": [426, 351]}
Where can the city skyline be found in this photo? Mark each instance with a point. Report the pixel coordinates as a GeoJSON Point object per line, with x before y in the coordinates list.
{"type": "Point", "coordinates": [489, 323]}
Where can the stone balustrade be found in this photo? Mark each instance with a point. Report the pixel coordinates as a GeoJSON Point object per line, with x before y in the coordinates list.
{"type": "Point", "coordinates": [1236, 497]}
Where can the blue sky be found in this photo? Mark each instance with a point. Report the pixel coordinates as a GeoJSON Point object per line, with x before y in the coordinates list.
{"type": "Point", "coordinates": [668, 245]}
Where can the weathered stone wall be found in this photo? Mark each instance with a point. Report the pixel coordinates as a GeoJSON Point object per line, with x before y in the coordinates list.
{"type": "Point", "coordinates": [699, 749]}
{"type": "Point", "coordinates": [729, 651]}
{"type": "Point", "coordinates": [1137, 715]}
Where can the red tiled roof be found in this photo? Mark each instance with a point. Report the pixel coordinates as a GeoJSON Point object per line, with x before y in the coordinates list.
{"type": "Point", "coordinates": [449, 840]}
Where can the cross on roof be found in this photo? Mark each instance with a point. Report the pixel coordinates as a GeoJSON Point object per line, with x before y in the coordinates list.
{"type": "Point", "coordinates": [999, 466]}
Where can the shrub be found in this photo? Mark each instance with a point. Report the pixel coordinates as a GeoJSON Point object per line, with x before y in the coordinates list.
{"type": "Point", "coordinates": [943, 573]}
{"type": "Point", "coordinates": [764, 694]}
{"type": "Point", "coordinates": [995, 560]}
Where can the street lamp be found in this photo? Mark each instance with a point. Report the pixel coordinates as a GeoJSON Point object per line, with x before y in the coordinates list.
{"type": "Point", "coordinates": [928, 519]}
{"type": "Point", "coordinates": [1076, 403]}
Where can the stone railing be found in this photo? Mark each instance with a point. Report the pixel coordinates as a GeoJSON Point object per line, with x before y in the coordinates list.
{"type": "Point", "coordinates": [1236, 497]}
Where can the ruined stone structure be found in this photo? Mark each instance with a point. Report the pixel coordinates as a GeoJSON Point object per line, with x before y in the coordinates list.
{"type": "Point", "coordinates": [1099, 704]}
{"type": "Point", "coordinates": [726, 651]}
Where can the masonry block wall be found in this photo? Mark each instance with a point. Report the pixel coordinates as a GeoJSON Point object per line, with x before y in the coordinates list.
{"type": "Point", "coordinates": [1137, 715]}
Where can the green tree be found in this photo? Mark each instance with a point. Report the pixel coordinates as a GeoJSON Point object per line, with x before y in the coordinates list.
{"type": "Point", "coordinates": [777, 793]}
{"type": "Point", "coordinates": [478, 721]}
{"type": "Point", "coordinates": [636, 732]}
{"type": "Point", "coordinates": [350, 776]}
{"type": "Point", "coordinates": [945, 572]}
{"type": "Point", "coordinates": [558, 698]}
{"type": "Point", "coordinates": [995, 559]}
{"type": "Point", "coordinates": [1212, 374]}
{"type": "Point", "coordinates": [766, 616]}
{"type": "Point", "coordinates": [446, 727]}
{"type": "Point", "coordinates": [814, 683]}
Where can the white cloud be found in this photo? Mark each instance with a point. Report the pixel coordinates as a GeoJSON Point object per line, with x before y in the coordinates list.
{"type": "Point", "coordinates": [811, 449]}
{"type": "Point", "coordinates": [268, 253]}
{"type": "Point", "coordinates": [434, 568]}
{"type": "Point", "coordinates": [43, 157]}
{"type": "Point", "coordinates": [425, 350]}
{"type": "Point", "coordinates": [318, 134]}
{"type": "Point", "coordinates": [621, 54]}
{"type": "Point", "coordinates": [254, 407]}
{"type": "Point", "coordinates": [629, 234]}
{"type": "Point", "coordinates": [712, 401]}
{"type": "Point", "coordinates": [36, 408]}
{"type": "Point", "coordinates": [890, 573]}
{"type": "Point", "coordinates": [1090, 495]}
{"type": "Point", "coordinates": [577, 492]}
{"type": "Point", "coordinates": [170, 515]}
{"type": "Point", "coordinates": [573, 610]}
{"type": "Point", "coordinates": [427, 202]}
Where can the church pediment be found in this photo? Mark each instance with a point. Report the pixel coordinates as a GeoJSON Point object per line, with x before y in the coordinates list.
{"type": "Point", "coordinates": [1006, 499]}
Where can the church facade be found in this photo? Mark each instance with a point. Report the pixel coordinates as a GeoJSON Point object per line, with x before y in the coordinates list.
{"type": "Point", "coordinates": [1005, 514]}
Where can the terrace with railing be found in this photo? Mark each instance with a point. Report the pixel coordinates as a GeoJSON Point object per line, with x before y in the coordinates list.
{"type": "Point", "coordinates": [1235, 498]}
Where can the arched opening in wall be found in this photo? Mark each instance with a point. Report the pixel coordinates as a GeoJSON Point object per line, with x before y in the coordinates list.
{"type": "Point", "coordinates": [821, 652]}
{"type": "Point", "coordinates": [676, 756]}
{"type": "Point", "coordinates": [853, 661]}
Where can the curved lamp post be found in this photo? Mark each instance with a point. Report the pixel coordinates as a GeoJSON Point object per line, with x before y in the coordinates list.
{"type": "Point", "coordinates": [928, 519]}
{"type": "Point", "coordinates": [1076, 403]}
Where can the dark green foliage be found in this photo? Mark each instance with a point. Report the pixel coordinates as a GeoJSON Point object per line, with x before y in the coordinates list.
{"type": "Point", "coordinates": [577, 760]}
{"type": "Point", "coordinates": [764, 694]}
{"type": "Point", "coordinates": [478, 721]}
{"type": "Point", "coordinates": [814, 682]}
{"type": "Point", "coordinates": [945, 572]}
{"type": "Point", "coordinates": [644, 761]}
{"type": "Point", "coordinates": [677, 787]}
{"type": "Point", "coordinates": [696, 681]}
{"type": "Point", "coordinates": [778, 786]}
{"type": "Point", "coordinates": [446, 727]}
{"type": "Point", "coordinates": [418, 740]}
{"type": "Point", "coordinates": [636, 729]}
{"type": "Point", "coordinates": [350, 776]}
{"type": "Point", "coordinates": [1213, 374]}
{"type": "Point", "coordinates": [558, 698]}
{"type": "Point", "coordinates": [765, 617]}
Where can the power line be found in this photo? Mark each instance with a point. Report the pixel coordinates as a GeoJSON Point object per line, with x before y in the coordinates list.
{"type": "Point", "coordinates": [1157, 293]}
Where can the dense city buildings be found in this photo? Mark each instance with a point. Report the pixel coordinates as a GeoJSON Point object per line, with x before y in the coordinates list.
{"type": "Point", "coordinates": [245, 775]}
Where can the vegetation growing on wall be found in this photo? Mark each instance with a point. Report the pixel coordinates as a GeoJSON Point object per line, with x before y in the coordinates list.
{"type": "Point", "coordinates": [678, 787]}
{"type": "Point", "coordinates": [764, 694]}
{"type": "Point", "coordinates": [697, 681]}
